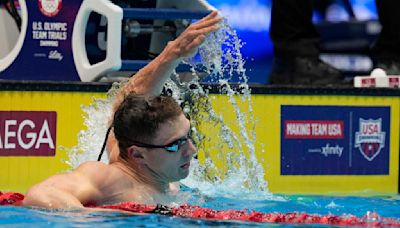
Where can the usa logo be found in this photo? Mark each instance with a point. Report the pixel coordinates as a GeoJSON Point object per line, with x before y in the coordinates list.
{"type": "Point", "coordinates": [370, 139]}
{"type": "Point", "coordinates": [50, 8]}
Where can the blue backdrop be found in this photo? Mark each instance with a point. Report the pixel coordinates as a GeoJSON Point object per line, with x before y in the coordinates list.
{"type": "Point", "coordinates": [251, 19]}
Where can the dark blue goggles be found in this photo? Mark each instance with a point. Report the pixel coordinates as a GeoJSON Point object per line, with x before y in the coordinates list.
{"type": "Point", "coordinates": [170, 147]}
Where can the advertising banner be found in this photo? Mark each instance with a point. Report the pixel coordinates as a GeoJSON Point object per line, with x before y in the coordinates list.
{"type": "Point", "coordinates": [335, 140]}
{"type": "Point", "coordinates": [27, 133]}
{"type": "Point", "coordinates": [46, 52]}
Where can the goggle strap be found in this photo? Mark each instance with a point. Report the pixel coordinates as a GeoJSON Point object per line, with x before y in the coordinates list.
{"type": "Point", "coordinates": [104, 143]}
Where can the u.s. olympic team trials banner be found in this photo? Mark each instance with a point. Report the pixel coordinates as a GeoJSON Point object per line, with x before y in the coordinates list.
{"type": "Point", "coordinates": [46, 52]}
{"type": "Point", "coordinates": [334, 140]}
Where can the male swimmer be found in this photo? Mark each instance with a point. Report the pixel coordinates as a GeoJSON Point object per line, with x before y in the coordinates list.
{"type": "Point", "coordinates": [150, 142]}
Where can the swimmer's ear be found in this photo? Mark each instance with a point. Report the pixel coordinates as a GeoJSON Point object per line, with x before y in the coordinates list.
{"type": "Point", "coordinates": [135, 153]}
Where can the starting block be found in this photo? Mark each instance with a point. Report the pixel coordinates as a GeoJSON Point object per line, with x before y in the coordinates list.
{"type": "Point", "coordinates": [379, 79]}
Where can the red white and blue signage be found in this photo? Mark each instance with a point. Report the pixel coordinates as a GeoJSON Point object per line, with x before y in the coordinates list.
{"type": "Point", "coordinates": [46, 52]}
{"type": "Point", "coordinates": [335, 140]}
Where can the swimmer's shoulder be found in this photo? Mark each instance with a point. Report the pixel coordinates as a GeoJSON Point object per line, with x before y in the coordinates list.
{"type": "Point", "coordinates": [94, 170]}
{"type": "Point", "coordinates": [92, 166]}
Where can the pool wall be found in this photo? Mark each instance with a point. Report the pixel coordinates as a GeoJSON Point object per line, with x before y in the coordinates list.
{"type": "Point", "coordinates": [53, 118]}
{"type": "Point", "coordinates": [338, 141]}
{"type": "Point", "coordinates": [313, 144]}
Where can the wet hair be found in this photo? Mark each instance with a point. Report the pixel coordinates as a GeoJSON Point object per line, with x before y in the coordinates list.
{"type": "Point", "coordinates": [138, 118]}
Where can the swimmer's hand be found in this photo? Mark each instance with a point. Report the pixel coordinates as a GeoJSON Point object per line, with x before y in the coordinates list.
{"type": "Point", "coordinates": [187, 43]}
{"type": "Point", "coordinates": [151, 78]}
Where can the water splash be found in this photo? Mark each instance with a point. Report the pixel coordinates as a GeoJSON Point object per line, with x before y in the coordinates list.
{"type": "Point", "coordinates": [371, 217]}
{"type": "Point", "coordinates": [220, 55]}
{"type": "Point", "coordinates": [333, 205]}
{"type": "Point", "coordinates": [221, 59]}
{"type": "Point", "coordinates": [96, 121]}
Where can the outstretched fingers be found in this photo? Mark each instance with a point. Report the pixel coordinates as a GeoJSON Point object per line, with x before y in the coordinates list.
{"type": "Point", "coordinates": [192, 33]}
{"type": "Point", "coordinates": [194, 38]}
{"type": "Point", "coordinates": [196, 42]}
{"type": "Point", "coordinates": [210, 15]}
{"type": "Point", "coordinates": [207, 21]}
{"type": "Point", "coordinates": [188, 37]}
{"type": "Point", "coordinates": [207, 30]}
{"type": "Point", "coordinates": [188, 42]}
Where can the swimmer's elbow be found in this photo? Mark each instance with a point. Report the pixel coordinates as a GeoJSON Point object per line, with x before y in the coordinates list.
{"type": "Point", "coordinates": [39, 196]}
{"type": "Point", "coordinates": [36, 197]}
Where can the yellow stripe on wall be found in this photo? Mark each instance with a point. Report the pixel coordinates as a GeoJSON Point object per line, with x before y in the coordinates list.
{"type": "Point", "coordinates": [18, 173]}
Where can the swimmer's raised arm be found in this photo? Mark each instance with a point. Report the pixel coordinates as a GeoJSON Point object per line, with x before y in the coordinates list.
{"type": "Point", "coordinates": [71, 190]}
{"type": "Point", "coordinates": [151, 78]}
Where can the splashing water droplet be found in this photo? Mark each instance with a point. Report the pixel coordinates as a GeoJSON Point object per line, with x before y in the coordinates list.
{"type": "Point", "coordinates": [372, 217]}
{"type": "Point", "coordinates": [221, 59]}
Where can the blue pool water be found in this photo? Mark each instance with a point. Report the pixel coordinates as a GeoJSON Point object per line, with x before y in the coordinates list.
{"type": "Point", "coordinates": [387, 206]}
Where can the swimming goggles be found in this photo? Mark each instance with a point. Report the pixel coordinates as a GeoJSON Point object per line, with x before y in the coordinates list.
{"type": "Point", "coordinates": [171, 147]}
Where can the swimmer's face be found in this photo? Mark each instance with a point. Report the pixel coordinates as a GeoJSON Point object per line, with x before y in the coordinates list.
{"type": "Point", "coordinates": [166, 165]}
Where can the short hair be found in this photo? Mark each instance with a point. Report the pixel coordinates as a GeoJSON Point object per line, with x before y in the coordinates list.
{"type": "Point", "coordinates": [139, 116]}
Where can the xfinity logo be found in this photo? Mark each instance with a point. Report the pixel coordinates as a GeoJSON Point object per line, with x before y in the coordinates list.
{"type": "Point", "coordinates": [328, 150]}
{"type": "Point", "coordinates": [332, 150]}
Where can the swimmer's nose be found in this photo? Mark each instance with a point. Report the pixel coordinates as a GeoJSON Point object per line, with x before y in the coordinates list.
{"type": "Point", "coordinates": [190, 149]}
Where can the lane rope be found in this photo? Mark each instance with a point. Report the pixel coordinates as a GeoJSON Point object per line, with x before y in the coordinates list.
{"type": "Point", "coordinates": [197, 212]}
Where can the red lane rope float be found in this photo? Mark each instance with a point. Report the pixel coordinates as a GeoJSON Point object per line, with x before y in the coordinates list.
{"type": "Point", "coordinates": [190, 211]}
{"type": "Point", "coordinates": [11, 198]}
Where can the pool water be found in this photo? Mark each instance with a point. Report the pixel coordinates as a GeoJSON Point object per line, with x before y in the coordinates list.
{"type": "Point", "coordinates": [367, 208]}
{"type": "Point", "coordinates": [224, 194]}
